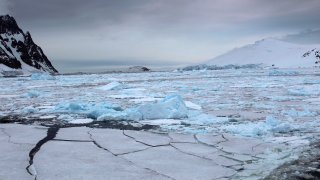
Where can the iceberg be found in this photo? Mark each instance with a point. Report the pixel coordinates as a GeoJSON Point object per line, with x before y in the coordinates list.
{"type": "Point", "coordinates": [171, 107]}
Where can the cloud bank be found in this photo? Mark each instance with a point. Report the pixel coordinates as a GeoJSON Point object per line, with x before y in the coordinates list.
{"type": "Point", "coordinates": [4, 7]}
{"type": "Point", "coordinates": [180, 31]}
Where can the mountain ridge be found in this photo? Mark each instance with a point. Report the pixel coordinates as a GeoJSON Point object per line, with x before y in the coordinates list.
{"type": "Point", "coordinates": [271, 52]}
{"type": "Point", "coordinates": [18, 52]}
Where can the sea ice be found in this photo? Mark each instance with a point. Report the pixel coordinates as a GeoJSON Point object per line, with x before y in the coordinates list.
{"type": "Point", "coordinates": [192, 105]}
{"type": "Point", "coordinates": [254, 129]}
{"type": "Point", "coordinates": [81, 121]}
{"type": "Point", "coordinates": [32, 94]}
{"type": "Point", "coordinates": [112, 86]}
{"type": "Point", "coordinates": [282, 73]}
{"type": "Point", "coordinates": [299, 113]}
{"type": "Point", "coordinates": [29, 110]}
{"type": "Point", "coordinates": [112, 115]}
{"type": "Point", "coordinates": [204, 119]}
{"type": "Point", "coordinates": [171, 107]}
{"type": "Point", "coordinates": [69, 107]}
{"type": "Point", "coordinates": [42, 76]}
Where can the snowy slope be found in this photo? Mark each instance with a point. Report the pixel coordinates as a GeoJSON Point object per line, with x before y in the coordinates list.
{"type": "Point", "coordinates": [18, 53]}
{"type": "Point", "coordinates": [270, 52]}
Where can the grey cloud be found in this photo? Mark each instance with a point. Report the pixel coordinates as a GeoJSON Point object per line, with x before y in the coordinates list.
{"type": "Point", "coordinates": [176, 30]}
{"type": "Point", "coordinates": [305, 37]}
{"type": "Point", "coordinates": [164, 13]}
{"type": "Point", "coordinates": [5, 6]}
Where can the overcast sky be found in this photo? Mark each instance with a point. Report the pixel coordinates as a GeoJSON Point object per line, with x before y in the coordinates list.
{"type": "Point", "coordinates": [154, 32]}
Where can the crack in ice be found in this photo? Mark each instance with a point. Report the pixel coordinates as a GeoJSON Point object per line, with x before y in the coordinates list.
{"type": "Point", "coordinates": [119, 155]}
{"type": "Point", "coordinates": [69, 140]}
{"type": "Point", "coordinates": [161, 145]}
{"type": "Point", "coordinates": [51, 134]}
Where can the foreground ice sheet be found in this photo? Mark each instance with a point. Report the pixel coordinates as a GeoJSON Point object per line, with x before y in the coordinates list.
{"type": "Point", "coordinates": [89, 153]}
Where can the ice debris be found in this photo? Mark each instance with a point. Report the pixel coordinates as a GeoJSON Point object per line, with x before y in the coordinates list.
{"type": "Point", "coordinates": [283, 73]}
{"type": "Point", "coordinates": [112, 86]}
{"type": "Point", "coordinates": [92, 110]}
{"type": "Point", "coordinates": [42, 76]}
{"type": "Point", "coordinates": [271, 125]}
{"type": "Point", "coordinates": [29, 110]}
{"type": "Point", "coordinates": [32, 94]}
{"type": "Point", "coordinates": [299, 113]}
{"type": "Point", "coordinates": [311, 90]}
{"type": "Point", "coordinates": [81, 121]}
{"type": "Point", "coordinates": [192, 105]}
{"type": "Point", "coordinates": [171, 107]}
{"type": "Point", "coordinates": [199, 118]}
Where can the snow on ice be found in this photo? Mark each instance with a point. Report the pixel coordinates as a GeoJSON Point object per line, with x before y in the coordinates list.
{"type": "Point", "coordinates": [235, 101]}
{"type": "Point", "coordinates": [112, 86]}
{"type": "Point", "coordinates": [171, 107]}
{"type": "Point", "coordinates": [42, 76]}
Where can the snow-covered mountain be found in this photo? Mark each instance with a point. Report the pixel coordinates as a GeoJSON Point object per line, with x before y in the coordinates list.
{"type": "Point", "coordinates": [271, 52]}
{"type": "Point", "coordinates": [18, 53]}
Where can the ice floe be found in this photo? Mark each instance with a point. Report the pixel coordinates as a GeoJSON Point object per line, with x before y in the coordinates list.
{"type": "Point", "coordinates": [254, 129]}
{"type": "Point", "coordinates": [171, 107]}
{"type": "Point", "coordinates": [112, 86]}
{"type": "Point", "coordinates": [42, 76]}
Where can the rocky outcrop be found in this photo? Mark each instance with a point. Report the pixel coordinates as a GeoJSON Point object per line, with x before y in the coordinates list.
{"type": "Point", "coordinates": [17, 49]}
{"type": "Point", "coordinates": [138, 69]}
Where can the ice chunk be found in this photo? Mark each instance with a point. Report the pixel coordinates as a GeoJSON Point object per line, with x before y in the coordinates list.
{"type": "Point", "coordinates": [310, 90]}
{"type": "Point", "coordinates": [271, 121]}
{"type": "Point", "coordinates": [171, 107]}
{"type": "Point", "coordinates": [91, 110]}
{"type": "Point", "coordinates": [42, 76]}
{"type": "Point", "coordinates": [271, 125]}
{"type": "Point", "coordinates": [192, 105]}
{"type": "Point", "coordinates": [112, 86]}
{"type": "Point", "coordinates": [277, 126]}
{"type": "Point", "coordinates": [70, 107]}
{"type": "Point", "coordinates": [282, 73]}
{"type": "Point", "coordinates": [96, 110]}
{"type": "Point", "coordinates": [112, 115]}
{"type": "Point", "coordinates": [248, 129]}
{"type": "Point", "coordinates": [146, 99]}
{"type": "Point", "coordinates": [32, 94]}
{"type": "Point", "coordinates": [128, 114]}
{"type": "Point", "coordinates": [205, 119]}
{"type": "Point", "coordinates": [282, 128]}
{"type": "Point", "coordinates": [48, 117]}
{"type": "Point", "coordinates": [29, 110]}
{"type": "Point", "coordinates": [81, 121]}
{"type": "Point", "coordinates": [65, 117]}
{"type": "Point", "coordinates": [296, 113]}
{"type": "Point", "coordinates": [133, 114]}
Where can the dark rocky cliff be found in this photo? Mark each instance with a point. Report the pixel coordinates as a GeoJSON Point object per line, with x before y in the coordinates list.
{"type": "Point", "coordinates": [17, 47]}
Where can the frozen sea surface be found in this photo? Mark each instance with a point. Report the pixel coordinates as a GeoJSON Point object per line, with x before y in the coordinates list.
{"type": "Point", "coordinates": [245, 102]}
{"type": "Point", "coordinates": [234, 116]}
